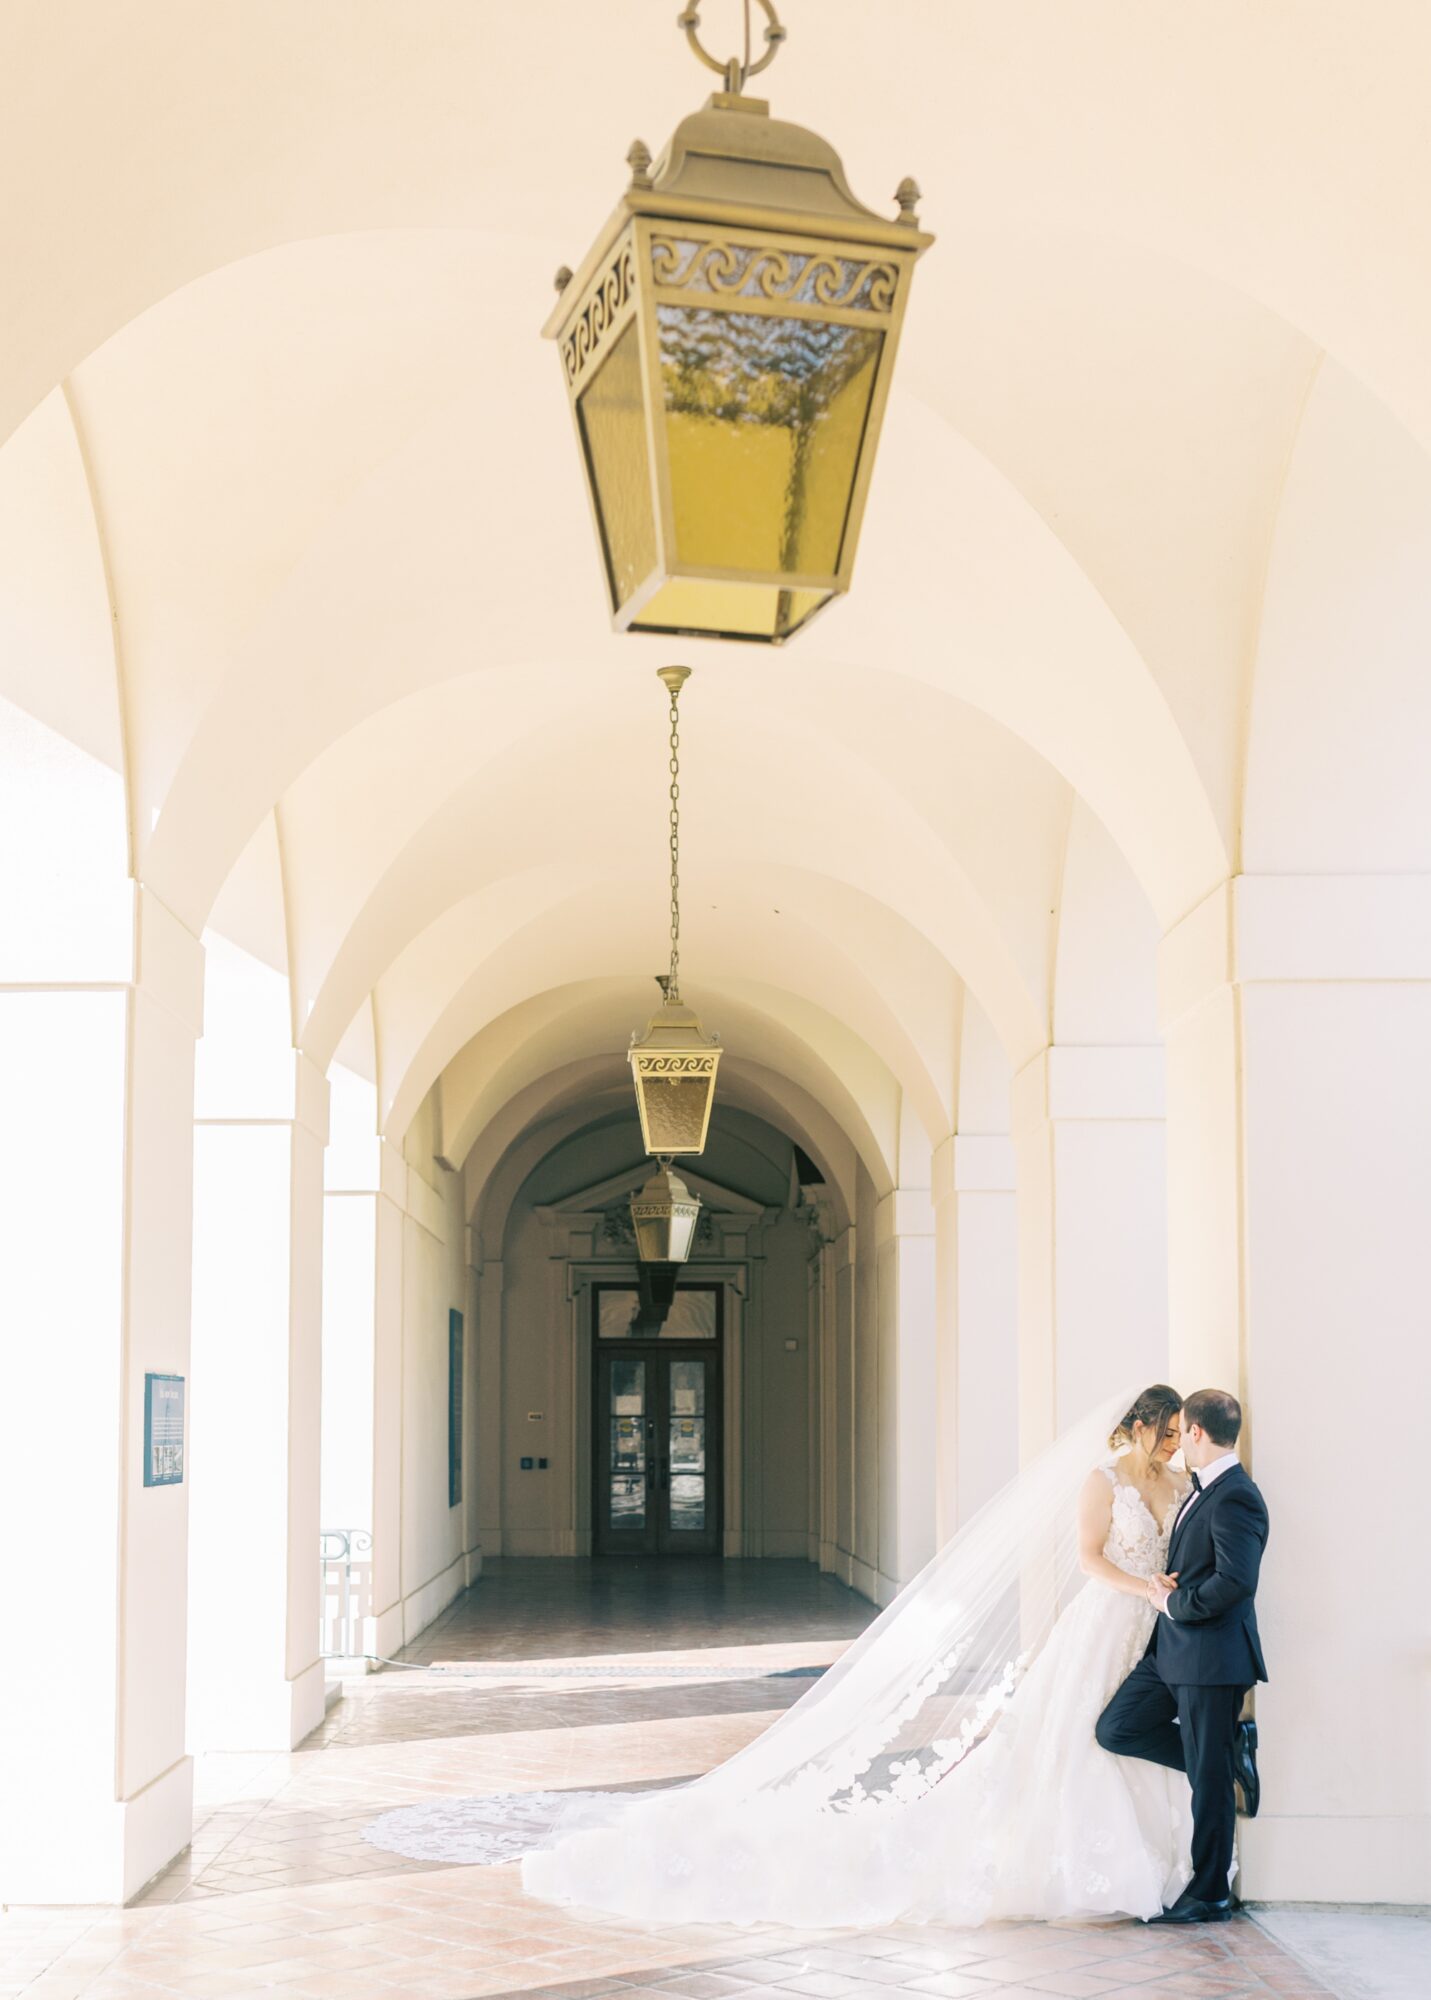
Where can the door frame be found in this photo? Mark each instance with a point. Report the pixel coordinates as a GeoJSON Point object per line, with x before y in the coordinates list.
{"type": "Point", "coordinates": [733, 1275]}
{"type": "Point", "coordinates": [663, 1352]}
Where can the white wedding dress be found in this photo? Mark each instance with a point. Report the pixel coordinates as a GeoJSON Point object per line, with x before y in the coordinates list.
{"type": "Point", "coordinates": [944, 1769]}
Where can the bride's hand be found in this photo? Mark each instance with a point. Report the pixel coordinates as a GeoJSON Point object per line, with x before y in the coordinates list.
{"type": "Point", "coordinates": [1167, 1582]}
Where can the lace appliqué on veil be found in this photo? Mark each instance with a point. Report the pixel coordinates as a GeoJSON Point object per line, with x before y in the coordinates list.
{"type": "Point", "coordinates": [480, 1832]}
{"type": "Point", "coordinates": [839, 1786]}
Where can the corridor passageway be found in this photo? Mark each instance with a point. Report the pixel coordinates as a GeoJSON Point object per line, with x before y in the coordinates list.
{"type": "Point", "coordinates": [600, 1672]}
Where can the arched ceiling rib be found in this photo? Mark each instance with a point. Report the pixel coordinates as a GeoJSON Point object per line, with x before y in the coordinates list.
{"type": "Point", "coordinates": [427, 571]}
{"type": "Point", "coordinates": [542, 1035]}
{"type": "Point", "coordinates": [582, 1097]}
{"type": "Point", "coordinates": [399, 548]}
{"type": "Point", "coordinates": [427, 1010]}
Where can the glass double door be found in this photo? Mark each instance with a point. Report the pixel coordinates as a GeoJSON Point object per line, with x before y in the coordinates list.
{"type": "Point", "coordinates": [657, 1457]}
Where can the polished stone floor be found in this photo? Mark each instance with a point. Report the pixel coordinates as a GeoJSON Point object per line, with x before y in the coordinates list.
{"type": "Point", "coordinates": [552, 1675]}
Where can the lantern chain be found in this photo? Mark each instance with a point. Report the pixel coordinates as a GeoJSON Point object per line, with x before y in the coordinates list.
{"type": "Point", "coordinates": [673, 991]}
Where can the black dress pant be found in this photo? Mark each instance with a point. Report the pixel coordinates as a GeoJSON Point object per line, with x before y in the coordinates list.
{"type": "Point", "coordinates": [1139, 1722]}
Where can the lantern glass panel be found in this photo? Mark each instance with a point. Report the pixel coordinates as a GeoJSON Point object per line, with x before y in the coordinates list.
{"type": "Point", "coordinates": [674, 1111]}
{"type": "Point", "coordinates": [667, 1239]}
{"type": "Point", "coordinates": [729, 610]}
{"type": "Point", "coordinates": [765, 418]}
{"type": "Point", "coordinates": [613, 431]}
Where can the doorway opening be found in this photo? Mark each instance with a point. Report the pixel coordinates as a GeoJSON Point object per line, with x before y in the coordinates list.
{"type": "Point", "coordinates": [656, 1408]}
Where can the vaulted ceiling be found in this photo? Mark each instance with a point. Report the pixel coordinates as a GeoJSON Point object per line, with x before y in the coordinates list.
{"type": "Point", "coordinates": [292, 536]}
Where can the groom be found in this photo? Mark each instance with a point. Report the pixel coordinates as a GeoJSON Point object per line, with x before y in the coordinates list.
{"type": "Point", "coordinates": [1204, 1654]}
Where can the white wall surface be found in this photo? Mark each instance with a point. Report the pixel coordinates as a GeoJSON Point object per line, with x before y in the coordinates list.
{"type": "Point", "coordinates": [987, 1444]}
{"type": "Point", "coordinates": [1341, 708]}
{"type": "Point", "coordinates": [1338, 1100]}
{"type": "Point", "coordinates": [1110, 1259]}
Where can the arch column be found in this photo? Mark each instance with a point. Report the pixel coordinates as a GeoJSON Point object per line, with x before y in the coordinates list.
{"type": "Point", "coordinates": [1089, 1135]}
{"type": "Point", "coordinates": [976, 1282]}
{"type": "Point", "coordinates": [489, 1408]}
{"type": "Point", "coordinates": [364, 1201]}
{"type": "Point", "coordinates": [837, 1384]}
{"type": "Point", "coordinates": [255, 1678]}
{"type": "Point", "coordinates": [98, 1066]}
{"type": "Point", "coordinates": [1297, 1012]}
{"type": "Point", "coordinates": [825, 1420]}
{"type": "Point", "coordinates": [907, 1433]}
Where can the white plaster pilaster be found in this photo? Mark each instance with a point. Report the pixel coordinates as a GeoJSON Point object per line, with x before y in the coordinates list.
{"type": "Point", "coordinates": [490, 1286]}
{"type": "Point", "coordinates": [97, 1031]}
{"type": "Point", "coordinates": [361, 1475]}
{"type": "Point", "coordinates": [907, 1434]}
{"type": "Point", "coordinates": [1090, 1139]}
{"type": "Point", "coordinates": [840, 1403]}
{"type": "Point", "coordinates": [814, 1346]}
{"type": "Point", "coordinates": [1297, 1012]}
{"type": "Point", "coordinates": [976, 1284]}
{"type": "Point", "coordinates": [255, 1678]}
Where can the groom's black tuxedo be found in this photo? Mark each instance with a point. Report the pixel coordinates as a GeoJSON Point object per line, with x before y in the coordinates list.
{"type": "Point", "coordinates": [1181, 1703]}
{"type": "Point", "coordinates": [1209, 1637]}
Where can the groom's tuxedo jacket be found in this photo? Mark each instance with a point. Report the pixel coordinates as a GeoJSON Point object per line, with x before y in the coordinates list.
{"type": "Point", "coordinates": [1209, 1636]}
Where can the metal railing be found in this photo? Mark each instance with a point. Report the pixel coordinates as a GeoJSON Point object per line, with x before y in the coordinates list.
{"type": "Point", "coordinates": [345, 1574]}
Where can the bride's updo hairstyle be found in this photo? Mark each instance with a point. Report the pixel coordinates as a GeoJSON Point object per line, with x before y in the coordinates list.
{"type": "Point", "coordinates": [1154, 1410]}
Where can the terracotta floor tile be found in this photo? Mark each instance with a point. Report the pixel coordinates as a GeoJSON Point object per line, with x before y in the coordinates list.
{"type": "Point", "coordinates": [951, 1985]}
{"type": "Point", "coordinates": [1077, 1985]}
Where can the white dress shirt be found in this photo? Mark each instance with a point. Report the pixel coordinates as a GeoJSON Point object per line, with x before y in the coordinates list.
{"type": "Point", "coordinates": [1205, 1478]}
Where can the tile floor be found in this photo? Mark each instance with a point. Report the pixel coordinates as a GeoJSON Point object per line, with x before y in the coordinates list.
{"type": "Point", "coordinates": [605, 1674]}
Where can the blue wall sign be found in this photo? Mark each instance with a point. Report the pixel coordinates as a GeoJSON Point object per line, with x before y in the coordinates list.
{"type": "Point", "coordinates": [163, 1430]}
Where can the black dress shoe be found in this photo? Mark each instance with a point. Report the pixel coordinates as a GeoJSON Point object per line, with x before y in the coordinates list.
{"type": "Point", "coordinates": [1244, 1767]}
{"type": "Point", "coordinates": [1190, 1910]}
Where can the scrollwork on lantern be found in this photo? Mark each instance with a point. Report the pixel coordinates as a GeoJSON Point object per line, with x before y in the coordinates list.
{"type": "Point", "coordinates": [782, 272]}
{"type": "Point", "coordinates": [604, 303]}
{"type": "Point", "coordinates": [699, 1064]}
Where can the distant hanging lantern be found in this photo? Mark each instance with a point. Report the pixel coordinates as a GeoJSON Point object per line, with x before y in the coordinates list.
{"type": "Point", "coordinates": [664, 1214]}
{"type": "Point", "coordinates": [674, 1063]}
{"type": "Point", "coordinates": [728, 345]}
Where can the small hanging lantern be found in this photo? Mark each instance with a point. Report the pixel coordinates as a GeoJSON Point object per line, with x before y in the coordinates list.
{"type": "Point", "coordinates": [664, 1216]}
{"type": "Point", "coordinates": [674, 1064]}
{"type": "Point", "coordinates": [728, 345]}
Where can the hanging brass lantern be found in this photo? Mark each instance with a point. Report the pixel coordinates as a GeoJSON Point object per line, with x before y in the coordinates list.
{"type": "Point", "coordinates": [728, 345]}
{"type": "Point", "coordinates": [664, 1215]}
{"type": "Point", "coordinates": [674, 1064]}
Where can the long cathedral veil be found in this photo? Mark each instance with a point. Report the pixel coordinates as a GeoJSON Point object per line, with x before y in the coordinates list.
{"type": "Point", "coordinates": [809, 1823]}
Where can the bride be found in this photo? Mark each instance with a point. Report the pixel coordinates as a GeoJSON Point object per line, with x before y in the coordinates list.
{"type": "Point", "coordinates": [945, 1767]}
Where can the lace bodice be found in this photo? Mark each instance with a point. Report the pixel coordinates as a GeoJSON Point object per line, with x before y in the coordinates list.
{"type": "Point", "coordinates": [1135, 1541]}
